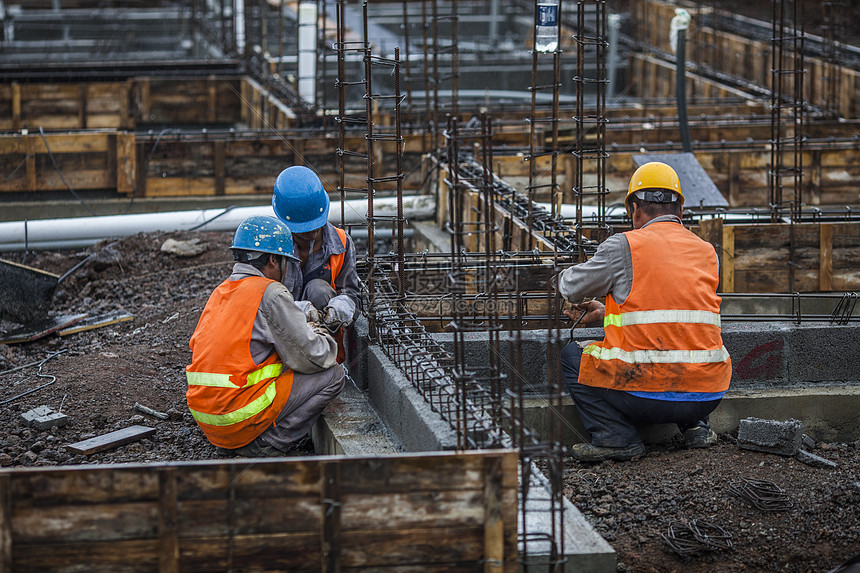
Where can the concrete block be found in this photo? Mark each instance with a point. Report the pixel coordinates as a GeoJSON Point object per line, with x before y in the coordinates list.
{"type": "Point", "coordinates": [814, 461]}
{"type": "Point", "coordinates": [823, 354]}
{"type": "Point", "coordinates": [759, 353]}
{"type": "Point", "coordinates": [770, 436]}
{"type": "Point", "coordinates": [43, 417]}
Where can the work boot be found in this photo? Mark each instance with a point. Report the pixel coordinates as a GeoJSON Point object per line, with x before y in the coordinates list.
{"type": "Point", "coordinates": [586, 452]}
{"type": "Point", "coordinates": [699, 437]}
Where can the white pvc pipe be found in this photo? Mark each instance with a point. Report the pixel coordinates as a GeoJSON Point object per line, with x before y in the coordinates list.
{"type": "Point", "coordinates": [85, 231]}
{"type": "Point", "coordinates": [307, 28]}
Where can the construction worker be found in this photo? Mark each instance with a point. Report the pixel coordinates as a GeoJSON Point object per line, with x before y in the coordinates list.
{"type": "Point", "coordinates": [662, 359]}
{"type": "Point", "coordinates": [323, 278]}
{"type": "Point", "coordinates": [260, 375]}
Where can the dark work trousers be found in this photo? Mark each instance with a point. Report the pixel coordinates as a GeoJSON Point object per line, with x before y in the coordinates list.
{"type": "Point", "coordinates": [609, 415]}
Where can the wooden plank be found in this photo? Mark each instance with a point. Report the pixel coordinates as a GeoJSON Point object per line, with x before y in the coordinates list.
{"type": "Point", "coordinates": [40, 329]}
{"type": "Point", "coordinates": [424, 507]}
{"type": "Point", "coordinates": [82, 106]}
{"type": "Point", "coordinates": [284, 515]}
{"type": "Point", "coordinates": [395, 548]}
{"type": "Point", "coordinates": [30, 146]}
{"type": "Point", "coordinates": [727, 271]}
{"type": "Point", "coordinates": [168, 544]}
{"type": "Point", "coordinates": [494, 524]}
{"type": "Point", "coordinates": [5, 524]}
{"type": "Point", "coordinates": [298, 551]}
{"type": "Point", "coordinates": [331, 510]}
{"type": "Point", "coordinates": [84, 522]}
{"type": "Point", "coordinates": [218, 159]}
{"type": "Point", "coordinates": [16, 106]}
{"type": "Point", "coordinates": [128, 556]}
{"type": "Point", "coordinates": [85, 486]}
{"type": "Point", "coordinates": [111, 440]}
{"type": "Point", "coordinates": [825, 272]}
{"type": "Point", "coordinates": [126, 163]}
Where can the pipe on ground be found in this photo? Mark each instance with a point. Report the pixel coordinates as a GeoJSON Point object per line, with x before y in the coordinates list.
{"type": "Point", "coordinates": [86, 231]}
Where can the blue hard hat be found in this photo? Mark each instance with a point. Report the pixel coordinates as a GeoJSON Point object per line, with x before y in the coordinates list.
{"type": "Point", "coordinates": [300, 201]}
{"type": "Point", "coordinates": [263, 234]}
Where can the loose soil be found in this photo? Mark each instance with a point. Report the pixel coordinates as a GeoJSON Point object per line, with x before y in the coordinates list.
{"type": "Point", "coordinates": [102, 373]}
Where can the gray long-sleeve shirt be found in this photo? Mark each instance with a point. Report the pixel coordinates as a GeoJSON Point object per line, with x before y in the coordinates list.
{"type": "Point", "coordinates": [280, 326]}
{"type": "Point", "coordinates": [610, 270]}
{"type": "Point", "coordinates": [346, 282]}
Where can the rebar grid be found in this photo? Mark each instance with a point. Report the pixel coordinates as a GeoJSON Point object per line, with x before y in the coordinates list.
{"type": "Point", "coordinates": [786, 156]}
{"type": "Point", "coordinates": [590, 143]}
{"type": "Point", "coordinates": [472, 223]}
{"type": "Point", "coordinates": [787, 103]}
{"type": "Point", "coordinates": [536, 147]}
{"type": "Point", "coordinates": [554, 231]}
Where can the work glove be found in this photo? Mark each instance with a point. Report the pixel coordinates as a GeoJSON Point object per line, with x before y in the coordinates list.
{"type": "Point", "coordinates": [311, 313]}
{"type": "Point", "coordinates": [338, 312]}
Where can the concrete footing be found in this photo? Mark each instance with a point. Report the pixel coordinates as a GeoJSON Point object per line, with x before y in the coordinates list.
{"type": "Point", "coordinates": [775, 376]}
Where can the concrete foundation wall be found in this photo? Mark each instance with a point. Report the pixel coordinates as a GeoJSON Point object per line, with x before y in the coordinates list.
{"type": "Point", "coordinates": [764, 355]}
{"type": "Point", "coordinates": [780, 371]}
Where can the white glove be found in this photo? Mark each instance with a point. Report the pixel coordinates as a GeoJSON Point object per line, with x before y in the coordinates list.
{"type": "Point", "coordinates": [339, 312]}
{"type": "Point", "coordinates": [311, 313]}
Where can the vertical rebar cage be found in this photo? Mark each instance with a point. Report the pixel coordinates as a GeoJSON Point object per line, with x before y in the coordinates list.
{"type": "Point", "coordinates": [590, 143]}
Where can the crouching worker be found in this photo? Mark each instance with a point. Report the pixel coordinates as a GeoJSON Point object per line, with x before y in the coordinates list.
{"type": "Point", "coordinates": [260, 375]}
{"type": "Point", "coordinates": [323, 277]}
{"type": "Point", "coordinates": [662, 359]}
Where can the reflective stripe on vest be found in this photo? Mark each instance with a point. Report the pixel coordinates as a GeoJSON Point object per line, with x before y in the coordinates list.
{"type": "Point", "coordinates": [249, 410]}
{"type": "Point", "coordinates": [223, 380]}
{"type": "Point", "coordinates": [657, 356]}
{"type": "Point", "coordinates": [662, 316]}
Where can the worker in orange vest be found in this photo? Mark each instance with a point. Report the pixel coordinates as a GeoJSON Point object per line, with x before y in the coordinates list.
{"type": "Point", "coordinates": [260, 374]}
{"type": "Point", "coordinates": [662, 359]}
{"type": "Point", "coordinates": [323, 279]}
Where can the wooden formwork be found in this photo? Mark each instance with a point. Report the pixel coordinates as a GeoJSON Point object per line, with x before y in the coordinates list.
{"type": "Point", "coordinates": [122, 105]}
{"type": "Point", "coordinates": [759, 258]}
{"type": "Point", "coordinates": [429, 512]}
{"type": "Point", "coordinates": [743, 58]}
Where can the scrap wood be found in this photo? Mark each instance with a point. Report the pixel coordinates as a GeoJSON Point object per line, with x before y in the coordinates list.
{"type": "Point", "coordinates": [111, 440]}
{"type": "Point", "coordinates": [99, 321]}
{"type": "Point", "coordinates": [39, 330]}
{"type": "Point", "coordinates": [150, 411]}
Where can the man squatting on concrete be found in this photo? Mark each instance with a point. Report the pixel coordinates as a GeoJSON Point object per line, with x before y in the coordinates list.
{"type": "Point", "coordinates": [662, 359]}
{"type": "Point", "coordinates": [322, 277]}
{"type": "Point", "coordinates": [260, 374]}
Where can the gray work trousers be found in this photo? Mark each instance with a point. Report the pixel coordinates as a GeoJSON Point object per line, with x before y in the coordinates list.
{"type": "Point", "coordinates": [610, 415]}
{"type": "Point", "coordinates": [319, 292]}
{"type": "Point", "coordinates": [310, 395]}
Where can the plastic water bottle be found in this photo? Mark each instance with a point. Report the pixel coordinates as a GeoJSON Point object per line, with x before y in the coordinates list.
{"type": "Point", "coordinates": [546, 31]}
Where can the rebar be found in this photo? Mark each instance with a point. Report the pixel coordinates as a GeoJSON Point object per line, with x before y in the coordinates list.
{"type": "Point", "coordinates": [590, 144]}
{"type": "Point", "coordinates": [787, 106]}
{"type": "Point", "coordinates": [696, 537]}
{"type": "Point", "coordinates": [537, 148]}
{"type": "Point", "coordinates": [761, 494]}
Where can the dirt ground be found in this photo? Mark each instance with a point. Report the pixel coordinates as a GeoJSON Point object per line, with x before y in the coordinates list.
{"type": "Point", "coordinates": [102, 373]}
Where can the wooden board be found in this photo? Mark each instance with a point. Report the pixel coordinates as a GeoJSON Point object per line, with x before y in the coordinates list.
{"type": "Point", "coordinates": [111, 440]}
{"type": "Point", "coordinates": [99, 321]}
{"type": "Point", "coordinates": [41, 329]}
{"type": "Point", "coordinates": [415, 512]}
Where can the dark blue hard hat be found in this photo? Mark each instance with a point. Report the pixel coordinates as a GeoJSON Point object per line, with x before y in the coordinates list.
{"type": "Point", "coordinates": [300, 201]}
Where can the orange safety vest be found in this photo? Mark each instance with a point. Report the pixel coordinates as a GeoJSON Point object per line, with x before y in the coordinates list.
{"type": "Point", "coordinates": [336, 263]}
{"type": "Point", "coordinates": [232, 398]}
{"type": "Point", "coordinates": [666, 336]}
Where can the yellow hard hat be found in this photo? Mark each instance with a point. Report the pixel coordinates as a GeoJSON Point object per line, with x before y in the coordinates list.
{"type": "Point", "coordinates": [654, 176]}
